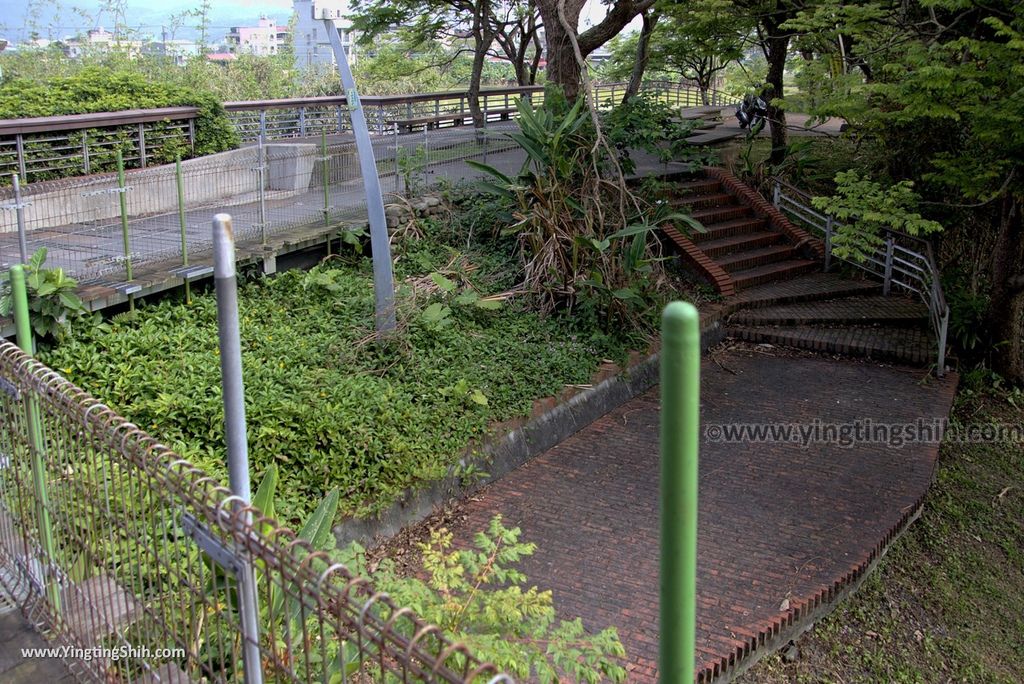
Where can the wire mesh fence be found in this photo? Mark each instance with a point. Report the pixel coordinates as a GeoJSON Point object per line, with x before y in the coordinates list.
{"type": "Point", "coordinates": [301, 179]}
{"type": "Point", "coordinates": [132, 559]}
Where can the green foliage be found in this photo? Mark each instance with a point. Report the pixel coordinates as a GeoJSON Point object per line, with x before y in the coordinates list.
{"type": "Point", "coordinates": [583, 239]}
{"type": "Point", "coordinates": [98, 90]}
{"type": "Point", "coordinates": [480, 598]}
{"type": "Point", "coordinates": [867, 210]}
{"type": "Point", "coordinates": [643, 122]}
{"type": "Point", "coordinates": [52, 303]}
{"type": "Point", "coordinates": [329, 406]}
{"type": "Point", "coordinates": [412, 168]}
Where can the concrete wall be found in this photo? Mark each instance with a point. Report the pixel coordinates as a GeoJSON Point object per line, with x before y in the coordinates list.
{"type": "Point", "coordinates": [223, 179]}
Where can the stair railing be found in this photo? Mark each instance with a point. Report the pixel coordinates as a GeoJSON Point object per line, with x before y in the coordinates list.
{"type": "Point", "coordinates": [901, 261]}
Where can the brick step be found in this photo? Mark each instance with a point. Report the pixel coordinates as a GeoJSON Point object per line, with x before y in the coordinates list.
{"type": "Point", "coordinates": [740, 243]}
{"type": "Point", "coordinates": [741, 261]}
{"type": "Point", "coordinates": [807, 288]}
{"type": "Point", "coordinates": [721, 214]}
{"type": "Point", "coordinates": [703, 200]}
{"type": "Point", "coordinates": [697, 186]}
{"type": "Point", "coordinates": [779, 270]}
{"type": "Point", "coordinates": [909, 345]}
{"type": "Point", "coordinates": [871, 310]}
{"type": "Point", "coordinates": [725, 229]}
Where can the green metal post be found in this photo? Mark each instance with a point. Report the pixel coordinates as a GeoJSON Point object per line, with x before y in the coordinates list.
{"type": "Point", "coordinates": [23, 328]}
{"type": "Point", "coordinates": [181, 222]}
{"type": "Point", "coordinates": [325, 171]}
{"type": "Point", "coordinates": [680, 429]}
{"type": "Point", "coordinates": [123, 199]}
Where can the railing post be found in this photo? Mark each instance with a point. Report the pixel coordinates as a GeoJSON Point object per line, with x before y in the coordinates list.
{"type": "Point", "coordinates": [302, 121]}
{"type": "Point", "coordinates": [777, 195]}
{"type": "Point", "coordinates": [263, 125]}
{"type": "Point", "coordinates": [887, 282]}
{"type": "Point", "coordinates": [943, 335]}
{"type": "Point", "coordinates": [19, 211]}
{"type": "Point", "coordinates": [325, 171]}
{"type": "Point", "coordinates": [142, 146]}
{"type": "Point", "coordinates": [182, 224]}
{"type": "Point", "coordinates": [122, 198]}
{"type": "Point", "coordinates": [230, 344]}
{"type": "Point", "coordinates": [19, 143]}
{"type": "Point", "coordinates": [680, 435]}
{"type": "Point", "coordinates": [261, 170]}
{"type": "Point", "coordinates": [829, 226]}
{"type": "Point", "coordinates": [23, 327]}
{"type": "Point", "coordinates": [86, 166]}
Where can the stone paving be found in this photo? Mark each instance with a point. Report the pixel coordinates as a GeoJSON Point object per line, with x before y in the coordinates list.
{"type": "Point", "coordinates": [784, 528]}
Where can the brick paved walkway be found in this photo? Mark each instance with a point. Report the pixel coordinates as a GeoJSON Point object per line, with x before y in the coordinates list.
{"type": "Point", "coordinates": [778, 523]}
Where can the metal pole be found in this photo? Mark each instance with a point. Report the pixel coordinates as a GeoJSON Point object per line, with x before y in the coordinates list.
{"type": "Point", "coordinates": [383, 278]}
{"type": "Point", "coordinates": [887, 283]}
{"type": "Point", "coordinates": [261, 168]}
{"type": "Point", "coordinates": [829, 224]}
{"type": "Point", "coordinates": [680, 429]}
{"type": "Point", "coordinates": [183, 225]}
{"type": "Point", "coordinates": [230, 343]}
{"type": "Point", "coordinates": [122, 190]}
{"type": "Point", "coordinates": [23, 328]}
{"type": "Point", "coordinates": [19, 210]}
{"type": "Point", "coordinates": [326, 171]}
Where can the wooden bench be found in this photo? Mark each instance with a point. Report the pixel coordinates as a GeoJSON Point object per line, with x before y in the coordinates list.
{"type": "Point", "coordinates": [453, 118]}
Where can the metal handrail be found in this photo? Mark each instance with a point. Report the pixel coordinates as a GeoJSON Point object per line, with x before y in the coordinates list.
{"type": "Point", "coordinates": [905, 261]}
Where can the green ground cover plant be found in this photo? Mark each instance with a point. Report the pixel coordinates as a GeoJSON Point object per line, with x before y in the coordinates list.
{"type": "Point", "coordinates": [326, 402]}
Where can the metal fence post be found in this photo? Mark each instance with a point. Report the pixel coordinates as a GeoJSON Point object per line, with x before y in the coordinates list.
{"type": "Point", "coordinates": [19, 210]}
{"type": "Point", "coordinates": [325, 161]}
{"type": "Point", "coordinates": [398, 169]}
{"type": "Point", "coordinates": [889, 249]}
{"type": "Point", "coordinates": [122, 197]}
{"type": "Point", "coordinates": [829, 225]}
{"type": "Point", "coordinates": [680, 434]}
{"type": "Point", "coordinates": [261, 169]}
{"type": "Point", "coordinates": [86, 166]}
{"type": "Point", "coordinates": [142, 145]}
{"type": "Point", "coordinates": [23, 326]}
{"type": "Point", "coordinates": [230, 344]}
{"type": "Point", "coordinates": [776, 194]}
{"type": "Point", "coordinates": [19, 142]}
{"type": "Point", "coordinates": [180, 182]}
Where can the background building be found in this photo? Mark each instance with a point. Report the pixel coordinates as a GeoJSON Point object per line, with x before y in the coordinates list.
{"type": "Point", "coordinates": [311, 43]}
{"type": "Point", "coordinates": [266, 38]}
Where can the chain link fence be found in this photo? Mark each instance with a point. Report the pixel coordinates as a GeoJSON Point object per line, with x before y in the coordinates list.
{"type": "Point", "coordinates": [132, 558]}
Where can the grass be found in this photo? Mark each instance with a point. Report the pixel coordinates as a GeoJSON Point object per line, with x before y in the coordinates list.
{"type": "Point", "coordinates": [327, 403]}
{"type": "Point", "coordinates": [946, 604]}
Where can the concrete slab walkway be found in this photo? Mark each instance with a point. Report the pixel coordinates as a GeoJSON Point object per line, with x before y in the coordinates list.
{"type": "Point", "coordinates": [785, 528]}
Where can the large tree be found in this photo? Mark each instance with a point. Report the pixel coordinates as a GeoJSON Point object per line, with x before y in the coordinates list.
{"type": "Point", "coordinates": [939, 100]}
{"type": "Point", "coordinates": [561, 28]}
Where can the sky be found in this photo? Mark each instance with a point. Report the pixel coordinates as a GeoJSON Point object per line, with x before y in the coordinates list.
{"type": "Point", "coordinates": [60, 18]}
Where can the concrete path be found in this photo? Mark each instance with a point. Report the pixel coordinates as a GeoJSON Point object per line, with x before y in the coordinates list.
{"type": "Point", "coordinates": [17, 634]}
{"type": "Point", "coordinates": [785, 529]}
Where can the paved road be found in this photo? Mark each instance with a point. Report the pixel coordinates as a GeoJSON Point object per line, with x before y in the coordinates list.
{"type": "Point", "coordinates": [781, 525]}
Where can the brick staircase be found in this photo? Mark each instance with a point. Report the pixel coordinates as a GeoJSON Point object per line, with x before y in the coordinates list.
{"type": "Point", "coordinates": [770, 274]}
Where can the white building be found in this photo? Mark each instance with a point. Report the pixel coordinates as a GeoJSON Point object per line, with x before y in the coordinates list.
{"type": "Point", "coordinates": [311, 42]}
{"type": "Point", "coordinates": [266, 38]}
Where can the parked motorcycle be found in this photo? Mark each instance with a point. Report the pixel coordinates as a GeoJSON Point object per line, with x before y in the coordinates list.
{"type": "Point", "coordinates": [752, 113]}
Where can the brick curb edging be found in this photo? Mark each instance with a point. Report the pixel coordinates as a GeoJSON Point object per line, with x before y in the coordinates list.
{"type": "Point", "coordinates": [503, 454]}
{"type": "Point", "coordinates": [802, 240]}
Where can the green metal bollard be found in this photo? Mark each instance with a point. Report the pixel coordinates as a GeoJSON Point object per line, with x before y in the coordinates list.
{"type": "Point", "coordinates": [123, 200]}
{"type": "Point", "coordinates": [23, 327]}
{"type": "Point", "coordinates": [184, 226]}
{"type": "Point", "coordinates": [680, 433]}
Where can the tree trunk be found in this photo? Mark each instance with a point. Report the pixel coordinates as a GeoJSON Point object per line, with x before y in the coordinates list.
{"type": "Point", "coordinates": [563, 70]}
{"type": "Point", "coordinates": [1006, 311]}
{"type": "Point", "coordinates": [776, 47]}
{"type": "Point", "coordinates": [643, 55]}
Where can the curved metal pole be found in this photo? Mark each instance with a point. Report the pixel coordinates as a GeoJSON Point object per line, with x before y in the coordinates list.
{"type": "Point", "coordinates": [383, 279]}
